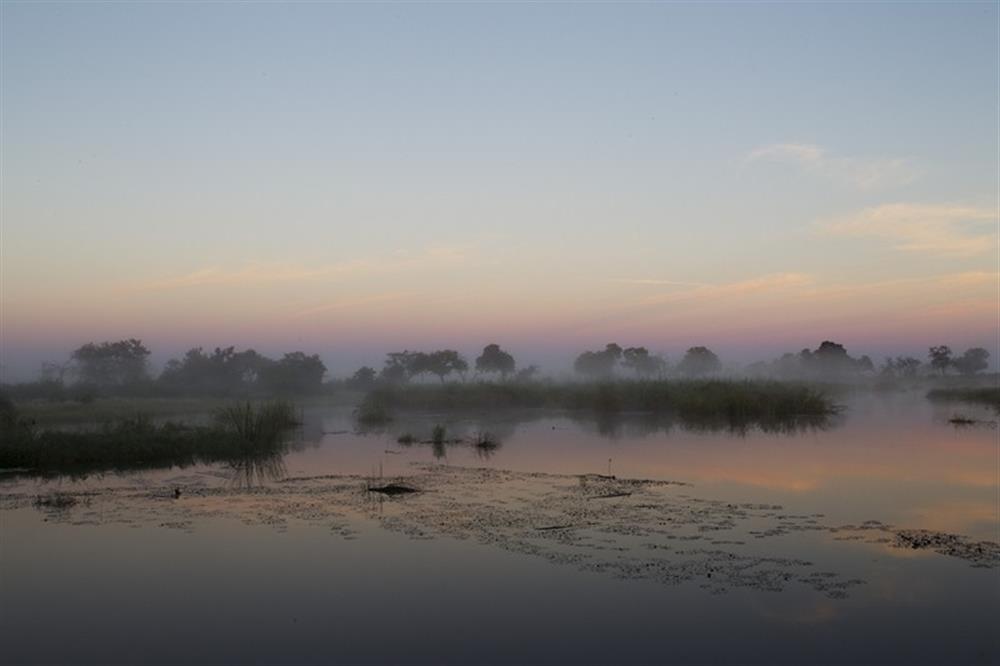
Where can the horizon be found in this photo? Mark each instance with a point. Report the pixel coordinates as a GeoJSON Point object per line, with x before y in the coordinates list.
{"type": "Point", "coordinates": [372, 178]}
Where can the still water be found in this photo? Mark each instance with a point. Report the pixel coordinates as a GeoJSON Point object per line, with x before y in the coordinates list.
{"type": "Point", "coordinates": [592, 541]}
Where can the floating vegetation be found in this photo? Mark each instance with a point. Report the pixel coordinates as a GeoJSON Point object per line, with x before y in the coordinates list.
{"type": "Point", "coordinates": [392, 489]}
{"type": "Point", "coordinates": [980, 553]}
{"type": "Point", "coordinates": [56, 500]}
{"type": "Point", "coordinates": [627, 528]}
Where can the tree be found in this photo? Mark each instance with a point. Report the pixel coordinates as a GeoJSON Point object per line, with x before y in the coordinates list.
{"type": "Point", "coordinates": [940, 357]}
{"type": "Point", "coordinates": [642, 362]}
{"type": "Point", "coordinates": [112, 364]}
{"type": "Point", "coordinates": [398, 367]}
{"type": "Point", "coordinates": [225, 371]}
{"type": "Point", "coordinates": [901, 366]}
{"type": "Point", "coordinates": [972, 361]}
{"type": "Point", "coordinates": [865, 364]}
{"type": "Point", "coordinates": [296, 372]}
{"type": "Point", "coordinates": [699, 361]}
{"type": "Point", "coordinates": [493, 359]}
{"type": "Point", "coordinates": [442, 363]}
{"type": "Point", "coordinates": [831, 358]}
{"type": "Point", "coordinates": [599, 364]}
{"type": "Point", "coordinates": [526, 374]}
{"type": "Point", "coordinates": [363, 378]}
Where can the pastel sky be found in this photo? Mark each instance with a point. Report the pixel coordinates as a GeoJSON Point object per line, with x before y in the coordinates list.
{"type": "Point", "coordinates": [354, 178]}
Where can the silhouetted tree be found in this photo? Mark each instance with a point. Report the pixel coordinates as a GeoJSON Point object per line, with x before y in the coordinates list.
{"type": "Point", "coordinates": [901, 366]}
{"type": "Point", "coordinates": [940, 357]}
{"type": "Point", "coordinates": [526, 374]}
{"type": "Point", "coordinates": [225, 371]}
{"type": "Point", "coordinates": [363, 378]}
{"type": "Point", "coordinates": [972, 361]}
{"type": "Point", "coordinates": [642, 362]}
{"type": "Point", "coordinates": [444, 362]}
{"type": "Point", "coordinates": [598, 364]}
{"type": "Point", "coordinates": [865, 364]}
{"type": "Point", "coordinates": [112, 364]}
{"type": "Point", "coordinates": [398, 367]}
{"type": "Point", "coordinates": [699, 361]}
{"type": "Point", "coordinates": [493, 359]}
{"type": "Point", "coordinates": [56, 373]}
{"type": "Point", "coordinates": [296, 372]}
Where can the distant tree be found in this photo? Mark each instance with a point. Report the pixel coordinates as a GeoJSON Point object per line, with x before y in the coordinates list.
{"type": "Point", "coordinates": [831, 358]}
{"type": "Point", "coordinates": [526, 374]}
{"type": "Point", "coordinates": [599, 364]}
{"type": "Point", "coordinates": [363, 378]}
{"type": "Point", "coordinates": [907, 366]}
{"type": "Point", "coordinates": [644, 364]}
{"type": "Point", "coordinates": [296, 372]}
{"type": "Point", "coordinates": [940, 357]}
{"type": "Point", "coordinates": [865, 364]}
{"type": "Point", "coordinates": [972, 361]}
{"type": "Point", "coordinates": [901, 366]}
{"type": "Point", "coordinates": [495, 360]}
{"type": "Point", "coordinates": [444, 362]}
{"type": "Point", "coordinates": [699, 361]}
{"type": "Point", "coordinates": [112, 364]}
{"type": "Point", "coordinates": [56, 373]}
{"type": "Point", "coordinates": [398, 367]}
{"type": "Point", "coordinates": [224, 371]}
{"type": "Point", "coordinates": [440, 363]}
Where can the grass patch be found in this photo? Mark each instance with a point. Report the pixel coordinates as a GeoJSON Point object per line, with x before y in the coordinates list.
{"type": "Point", "coordinates": [724, 403]}
{"type": "Point", "coordinates": [983, 396]}
{"type": "Point", "coordinates": [137, 443]}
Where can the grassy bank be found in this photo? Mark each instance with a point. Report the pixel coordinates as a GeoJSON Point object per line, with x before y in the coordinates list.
{"type": "Point", "coordinates": [240, 431]}
{"type": "Point", "coordinates": [728, 402]}
{"type": "Point", "coordinates": [983, 396]}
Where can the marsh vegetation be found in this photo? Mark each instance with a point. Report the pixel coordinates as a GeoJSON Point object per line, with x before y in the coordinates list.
{"type": "Point", "coordinates": [241, 431]}
{"type": "Point", "coordinates": [731, 402]}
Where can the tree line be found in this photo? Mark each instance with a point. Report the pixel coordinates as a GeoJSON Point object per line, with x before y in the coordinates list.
{"type": "Point", "coordinates": [123, 366]}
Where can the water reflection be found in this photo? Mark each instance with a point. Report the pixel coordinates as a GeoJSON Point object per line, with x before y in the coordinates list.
{"type": "Point", "coordinates": [255, 471]}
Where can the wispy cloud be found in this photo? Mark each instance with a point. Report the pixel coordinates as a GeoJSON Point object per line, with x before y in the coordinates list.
{"type": "Point", "coordinates": [959, 231]}
{"type": "Point", "coordinates": [655, 282]}
{"type": "Point", "coordinates": [865, 173]}
{"type": "Point", "coordinates": [709, 292]}
{"type": "Point", "coordinates": [266, 273]}
{"type": "Point", "coordinates": [347, 304]}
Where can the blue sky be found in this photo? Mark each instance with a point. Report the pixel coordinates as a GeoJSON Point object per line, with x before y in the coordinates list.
{"type": "Point", "coordinates": [354, 177]}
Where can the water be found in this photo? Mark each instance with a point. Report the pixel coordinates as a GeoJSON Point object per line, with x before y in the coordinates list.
{"type": "Point", "coordinates": [737, 547]}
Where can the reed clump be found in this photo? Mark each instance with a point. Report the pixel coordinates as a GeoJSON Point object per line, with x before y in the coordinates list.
{"type": "Point", "coordinates": [138, 442]}
{"type": "Point", "coordinates": [983, 396]}
{"type": "Point", "coordinates": [699, 402]}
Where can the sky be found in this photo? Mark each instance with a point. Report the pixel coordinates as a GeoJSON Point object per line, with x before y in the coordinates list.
{"type": "Point", "coordinates": [350, 179]}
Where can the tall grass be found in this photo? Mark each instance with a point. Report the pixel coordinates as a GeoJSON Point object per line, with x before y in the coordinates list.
{"type": "Point", "coordinates": [984, 396]}
{"type": "Point", "coordinates": [697, 402]}
{"type": "Point", "coordinates": [258, 425]}
{"type": "Point", "coordinates": [134, 443]}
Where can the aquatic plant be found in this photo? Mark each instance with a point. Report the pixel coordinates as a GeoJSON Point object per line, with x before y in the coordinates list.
{"type": "Point", "coordinates": [257, 424]}
{"type": "Point", "coordinates": [138, 442]}
{"type": "Point", "coordinates": [437, 434]}
{"type": "Point", "coordinates": [984, 396]}
{"type": "Point", "coordinates": [705, 402]}
{"type": "Point", "coordinates": [373, 410]}
{"type": "Point", "coordinates": [485, 440]}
